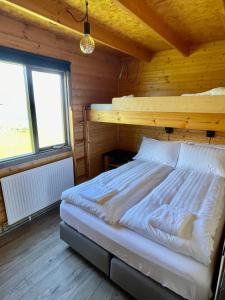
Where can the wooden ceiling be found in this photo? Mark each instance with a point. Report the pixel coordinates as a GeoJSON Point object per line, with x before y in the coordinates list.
{"type": "Point", "coordinates": [138, 27]}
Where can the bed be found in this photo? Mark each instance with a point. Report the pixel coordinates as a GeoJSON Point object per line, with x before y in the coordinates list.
{"type": "Point", "coordinates": [148, 259]}
{"type": "Point", "coordinates": [143, 264]}
{"type": "Point", "coordinates": [179, 273]}
{"type": "Point", "coordinates": [165, 266]}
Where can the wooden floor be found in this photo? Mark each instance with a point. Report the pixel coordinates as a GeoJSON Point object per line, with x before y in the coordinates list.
{"type": "Point", "coordinates": [36, 264]}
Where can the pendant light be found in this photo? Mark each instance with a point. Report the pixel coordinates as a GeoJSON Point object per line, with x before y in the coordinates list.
{"type": "Point", "coordinates": [87, 44]}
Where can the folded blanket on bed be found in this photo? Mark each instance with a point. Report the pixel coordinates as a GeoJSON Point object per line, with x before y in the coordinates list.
{"type": "Point", "coordinates": [123, 188]}
{"type": "Point", "coordinates": [102, 188]}
{"type": "Point", "coordinates": [106, 185]}
{"type": "Point", "coordinates": [116, 207]}
{"type": "Point", "coordinates": [172, 220]}
{"type": "Point", "coordinates": [99, 193]}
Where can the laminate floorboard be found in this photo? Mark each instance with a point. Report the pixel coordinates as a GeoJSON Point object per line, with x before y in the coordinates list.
{"type": "Point", "coordinates": [36, 264]}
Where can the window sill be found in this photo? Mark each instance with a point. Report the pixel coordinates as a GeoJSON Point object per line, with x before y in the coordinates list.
{"type": "Point", "coordinates": [32, 157]}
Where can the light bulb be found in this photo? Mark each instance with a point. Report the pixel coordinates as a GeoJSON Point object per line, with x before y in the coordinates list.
{"type": "Point", "coordinates": [87, 44]}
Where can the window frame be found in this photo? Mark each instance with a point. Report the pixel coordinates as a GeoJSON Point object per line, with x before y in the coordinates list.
{"type": "Point", "coordinates": [31, 111]}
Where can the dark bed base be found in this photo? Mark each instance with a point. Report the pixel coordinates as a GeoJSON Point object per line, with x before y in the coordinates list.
{"type": "Point", "coordinates": [135, 283]}
{"type": "Point", "coordinates": [86, 248]}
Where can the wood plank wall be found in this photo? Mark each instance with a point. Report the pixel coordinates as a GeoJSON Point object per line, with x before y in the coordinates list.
{"type": "Point", "coordinates": [93, 79]}
{"type": "Point", "coordinates": [101, 138]}
{"type": "Point", "coordinates": [130, 136]}
{"type": "Point", "coordinates": [168, 74]}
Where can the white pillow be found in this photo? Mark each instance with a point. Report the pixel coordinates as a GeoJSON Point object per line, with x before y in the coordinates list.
{"type": "Point", "coordinates": [219, 91]}
{"type": "Point", "coordinates": [217, 146]}
{"type": "Point", "coordinates": [203, 159]}
{"type": "Point", "coordinates": [159, 151]}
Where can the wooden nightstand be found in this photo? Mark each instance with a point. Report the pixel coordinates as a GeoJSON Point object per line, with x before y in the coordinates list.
{"type": "Point", "coordinates": [116, 158]}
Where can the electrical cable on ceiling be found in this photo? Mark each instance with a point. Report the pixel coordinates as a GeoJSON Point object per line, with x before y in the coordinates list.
{"type": "Point", "coordinates": [75, 19]}
{"type": "Point", "coordinates": [87, 44]}
{"type": "Point", "coordinates": [83, 18]}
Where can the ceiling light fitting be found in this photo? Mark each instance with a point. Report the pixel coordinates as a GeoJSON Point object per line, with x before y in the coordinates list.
{"type": "Point", "coordinates": [87, 44]}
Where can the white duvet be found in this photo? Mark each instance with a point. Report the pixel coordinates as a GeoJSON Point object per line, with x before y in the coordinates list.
{"type": "Point", "coordinates": [112, 193]}
{"type": "Point", "coordinates": [189, 191]}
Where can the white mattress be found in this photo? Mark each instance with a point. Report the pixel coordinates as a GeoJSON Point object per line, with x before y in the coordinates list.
{"type": "Point", "coordinates": [101, 106]}
{"type": "Point", "coordinates": [181, 274]}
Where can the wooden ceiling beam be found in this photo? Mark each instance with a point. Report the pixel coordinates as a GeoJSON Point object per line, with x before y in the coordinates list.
{"type": "Point", "coordinates": [150, 18]}
{"type": "Point", "coordinates": [62, 15]}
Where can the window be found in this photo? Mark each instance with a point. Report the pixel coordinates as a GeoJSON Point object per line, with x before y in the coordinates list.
{"type": "Point", "coordinates": [49, 109]}
{"type": "Point", "coordinates": [33, 104]}
{"type": "Point", "coordinates": [15, 127]}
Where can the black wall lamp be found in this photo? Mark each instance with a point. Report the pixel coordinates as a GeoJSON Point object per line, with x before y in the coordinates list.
{"type": "Point", "coordinates": [210, 133]}
{"type": "Point", "coordinates": [168, 130]}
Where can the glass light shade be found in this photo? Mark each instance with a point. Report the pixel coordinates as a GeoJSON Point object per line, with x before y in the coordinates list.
{"type": "Point", "coordinates": [87, 44]}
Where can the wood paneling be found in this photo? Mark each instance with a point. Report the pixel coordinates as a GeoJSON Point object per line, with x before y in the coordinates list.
{"type": "Point", "coordinates": [101, 138]}
{"type": "Point", "coordinates": [115, 18]}
{"type": "Point", "coordinates": [149, 17]}
{"type": "Point", "coordinates": [197, 21]}
{"type": "Point", "coordinates": [199, 121]}
{"type": "Point", "coordinates": [137, 28]}
{"type": "Point", "coordinates": [93, 79]}
{"type": "Point", "coordinates": [130, 136]}
{"type": "Point", "coordinates": [175, 104]}
{"type": "Point", "coordinates": [170, 74]}
{"type": "Point", "coordinates": [193, 21]}
{"type": "Point", "coordinates": [61, 15]}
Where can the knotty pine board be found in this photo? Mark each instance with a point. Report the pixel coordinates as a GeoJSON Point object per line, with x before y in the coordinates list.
{"type": "Point", "coordinates": [171, 74]}
{"type": "Point", "coordinates": [130, 136]}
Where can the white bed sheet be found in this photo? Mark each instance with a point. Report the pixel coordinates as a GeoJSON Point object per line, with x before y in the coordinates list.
{"type": "Point", "coordinates": [201, 194]}
{"type": "Point", "coordinates": [133, 181]}
{"type": "Point", "coordinates": [181, 274]}
{"type": "Point", "coordinates": [101, 106]}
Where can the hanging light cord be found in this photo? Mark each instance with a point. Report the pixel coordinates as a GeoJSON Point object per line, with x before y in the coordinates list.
{"type": "Point", "coordinates": [125, 71]}
{"type": "Point", "coordinates": [85, 17]}
{"type": "Point", "coordinates": [87, 10]}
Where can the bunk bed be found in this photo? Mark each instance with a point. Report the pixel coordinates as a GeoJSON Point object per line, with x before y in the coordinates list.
{"type": "Point", "coordinates": [194, 112]}
{"type": "Point", "coordinates": [121, 253]}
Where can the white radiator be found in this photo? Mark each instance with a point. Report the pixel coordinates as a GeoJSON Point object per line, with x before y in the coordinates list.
{"type": "Point", "coordinates": [28, 192]}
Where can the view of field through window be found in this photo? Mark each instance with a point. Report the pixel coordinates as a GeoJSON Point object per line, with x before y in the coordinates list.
{"type": "Point", "coordinates": [49, 108]}
{"type": "Point", "coordinates": [15, 133]}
